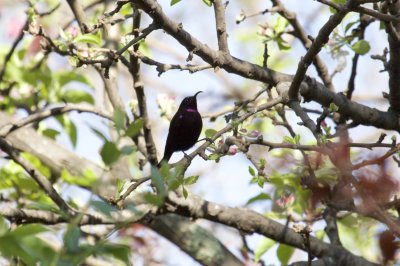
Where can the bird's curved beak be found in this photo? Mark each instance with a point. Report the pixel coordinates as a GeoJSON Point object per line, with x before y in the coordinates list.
{"type": "Point", "coordinates": [197, 93]}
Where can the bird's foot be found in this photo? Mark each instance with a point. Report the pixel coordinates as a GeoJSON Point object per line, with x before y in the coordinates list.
{"type": "Point", "coordinates": [206, 139]}
{"type": "Point", "coordinates": [187, 156]}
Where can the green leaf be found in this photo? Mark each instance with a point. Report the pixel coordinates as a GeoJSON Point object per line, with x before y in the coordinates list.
{"type": "Point", "coordinates": [208, 2]}
{"type": "Point", "coordinates": [69, 128]}
{"type": "Point", "coordinates": [320, 234]}
{"type": "Point", "coordinates": [86, 181]}
{"type": "Point", "coordinates": [64, 77]}
{"type": "Point", "coordinates": [103, 207]}
{"type": "Point", "coordinates": [118, 251]}
{"type": "Point", "coordinates": [154, 199]}
{"type": "Point", "coordinates": [350, 24]}
{"type": "Point", "coordinates": [264, 245]}
{"type": "Point", "coordinates": [260, 181]}
{"type": "Point", "coordinates": [99, 134]}
{"type": "Point", "coordinates": [214, 156]}
{"type": "Point", "coordinates": [185, 192]}
{"type": "Point", "coordinates": [3, 226]}
{"type": "Point", "coordinates": [339, 2]}
{"type": "Point", "coordinates": [263, 162]}
{"type": "Point", "coordinates": [71, 238]}
{"type": "Point", "coordinates": [128, 149]}
{"type": "Point", "coordinates": [119, 119]}
{"type": "Point", "coordinates": [43, 206]}
{"type": "Point", "coordinates": [37, 164]}
{"type": "Point", "coordinates": [77, 96]}
{"type": "Point", "coordinates": [281, 24]}
{"type": "Point", "coordinates": [283, 45]}
{"type": "Point", "coordinates": [62, 33]}
{"type": "Point", "coordinates": [288, 139]}
{"type": "Point", "coordinates": [358, 233]}
{"type": "Point", "coordinates": [38, 250]}
{"type": "Point", "coordinates": [120, 185]}
{"type": "Point", "coordinates": [164, 171]}
{"type": "Point", "coordinates": [30, 250]}
{"type": "Point", "coordinates": [253, 180]}
{"type": "Point", "coordinates": [173, 2]}
{"type": "Point", "coordinates": [50, 133]}
{"type": "Point", "coordinates": [284, 253]}
{"type": "Point", "coordinates": [261, 196]}
{"type": "Point", "coordinates": [28, 230]}
{"type": "Point", "coordinates": [191, 180]}
{"type": "Point", "coordinates": [210, 132]}
{"type": "Point", "coordinates": [382, 25]}
{"type": "Point", "coordinates": [134, 128]}
{"type": "Point", "coordinates": [251, 171]}
{"type": "Point", "coordinates": [158, 181]}
{"type": "Point", "coordinates": [297, 139]}
{"type": "Point", "coordinates": [88, 38]}
{"type": "Point", "coordinates": [361, 47]}
{"type": "Point", "coordinates": [333, 108]}
{"type": "Point", "coordinates": [174, 184]}
{"type": "Point", "coordinates": [109, 153]}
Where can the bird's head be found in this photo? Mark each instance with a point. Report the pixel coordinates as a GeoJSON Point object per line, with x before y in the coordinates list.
{"type": "Point", "coordinates": [190, 103]}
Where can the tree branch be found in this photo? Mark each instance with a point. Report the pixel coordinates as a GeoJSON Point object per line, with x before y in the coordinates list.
{"type": "Point", "coordinates": [321, 39]}
{"type": "Point", "coordinates": [138, 86]}
{"type": "Point", "coordinates": [23, 216]}
{"type": "Point", "coordinates": [310, 89]}
{"type": "Point", "coordinates": [203, 248]}
{"type": "Point", "coordinates": [219, 10]}
{"type": "Point", "coordinates": [300, 33]}
{"type": "Point", "coordinates": [43, 114]}
{"type": "Point", "coordinates": [394, 60]}
{"type": "Point", "coordinates": [252, 222]}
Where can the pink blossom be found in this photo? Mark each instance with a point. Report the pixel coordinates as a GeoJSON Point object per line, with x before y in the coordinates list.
{"type": "Point", "coordinates": [285, 200]}
{"type": "Point", "coordinates": [72, 31]}
{"type": "Point", "coordinates": [14, 27]}
{"type": "Point", "coordinates": [35, 47]}
{"type": "Point", "coordinates": [232, 150]}
{"type": "Point", "coordinates": [253, 134]}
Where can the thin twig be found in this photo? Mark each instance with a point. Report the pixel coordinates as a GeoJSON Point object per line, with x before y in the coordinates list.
{"type": "Point", "coordinates": [13, 47]}
{"type": "Point", "coordinates": [43, 114]}
{"type": "Point", "coordinates": [316, 46]}
{"type": "Point", "coordinates": [301, 34]}
{"type": "Point", "coordinates": [378, 160]}
{"type": "Point", "coordinates": [40, 179]}
{"type": "Point", "coordinates": [131, 188]}
{"type": "Point", "coordinates": [164, 67]}
{"type": "Point", "coordinates": [138, 86]}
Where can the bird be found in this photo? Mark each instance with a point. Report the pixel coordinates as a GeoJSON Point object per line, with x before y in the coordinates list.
{"type": "Point", "coordinates": [184, 129]}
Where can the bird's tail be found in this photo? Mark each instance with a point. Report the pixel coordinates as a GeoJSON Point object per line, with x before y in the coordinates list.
{"type": "Point", "coordinates": [165, 159]}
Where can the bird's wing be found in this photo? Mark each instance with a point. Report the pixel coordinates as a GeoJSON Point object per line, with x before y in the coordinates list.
{"type": "Point", "coordinates": [176, 124]}
{"type": "Point", "coordinates": [173, 135]}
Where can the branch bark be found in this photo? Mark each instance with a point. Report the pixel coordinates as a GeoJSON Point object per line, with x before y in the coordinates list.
{"type": "Point", "coordinates": [394, 60]}
{"type": "Point", "coordinates": [203, 248]}
{"type": "Point", "coordinates": [220, 24]}
{"type": "Point", "coordinates": [251, 222]}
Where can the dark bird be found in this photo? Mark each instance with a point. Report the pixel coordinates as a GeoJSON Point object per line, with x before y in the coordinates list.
{"type": "Point", "coordinates": [184, 129]}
